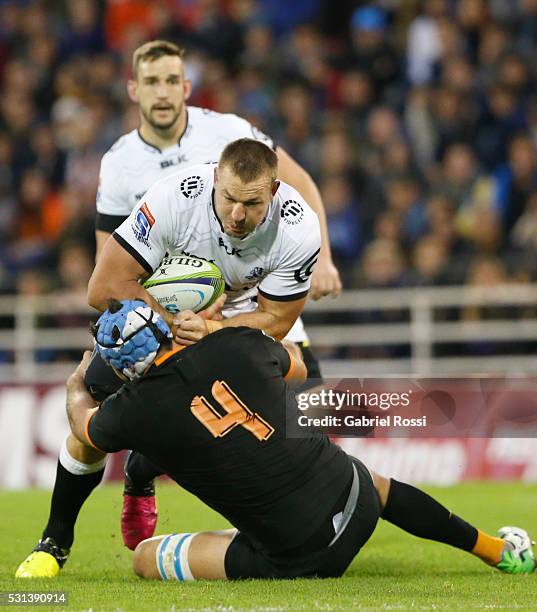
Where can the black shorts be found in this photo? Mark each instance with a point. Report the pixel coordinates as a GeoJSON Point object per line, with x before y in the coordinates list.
{"type": "Point", "coordinates": [315, 377]}
{"type": "Point", "coordinates": [328, 553]}
{"type": "Point", "coordinates": [100, 379]}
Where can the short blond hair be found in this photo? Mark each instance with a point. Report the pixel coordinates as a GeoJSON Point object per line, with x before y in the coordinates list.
{"type": "Point", "coordinates": [153, 50]}
{"type": "Point", "coordinates": [249, 159]}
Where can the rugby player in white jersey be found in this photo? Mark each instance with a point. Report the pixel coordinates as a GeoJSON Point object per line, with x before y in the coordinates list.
{"type": "Point", "coordinates": [234, 214]}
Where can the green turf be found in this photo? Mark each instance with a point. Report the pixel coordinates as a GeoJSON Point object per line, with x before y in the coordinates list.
{"type": "Point", "coordinates": [393, 572]}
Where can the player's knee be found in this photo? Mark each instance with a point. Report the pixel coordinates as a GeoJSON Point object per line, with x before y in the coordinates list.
{"type": "Point", "coordinates": [143, 560]}
{"type": "Point", "coordinates": [82, 452]}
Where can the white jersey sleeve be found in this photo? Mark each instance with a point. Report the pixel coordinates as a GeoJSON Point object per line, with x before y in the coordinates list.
{"type": "Point", "coordinates": [291, 277]}
{"type": "Point", "coordinates": [112, 196]}
{"type": "Point", "coordinates": [237, 127]}
{"type": "Point", "coordinates": [148, 233]}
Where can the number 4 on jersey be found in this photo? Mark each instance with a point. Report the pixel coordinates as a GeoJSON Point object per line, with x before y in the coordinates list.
{"type": "Point", "coordinates": [237, 413]}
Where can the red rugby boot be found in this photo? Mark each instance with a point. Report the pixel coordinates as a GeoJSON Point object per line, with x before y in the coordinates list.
{"type": "Point", "coordinates": [139, 514]}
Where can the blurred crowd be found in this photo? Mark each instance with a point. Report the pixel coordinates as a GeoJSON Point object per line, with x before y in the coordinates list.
{"type": "Point", "coordinates": [417, 119]}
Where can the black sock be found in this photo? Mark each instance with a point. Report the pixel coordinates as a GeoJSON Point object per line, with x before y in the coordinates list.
{"type": "Point", "coordinates": [422, 516]}
{"type": "Point", "coordinates": [141, 472]}
{"type": "Point", "coordinates": [70, 492]}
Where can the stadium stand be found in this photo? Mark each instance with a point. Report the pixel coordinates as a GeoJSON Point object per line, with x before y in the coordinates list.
{"type": "Point", "coordinates": [417, 119]}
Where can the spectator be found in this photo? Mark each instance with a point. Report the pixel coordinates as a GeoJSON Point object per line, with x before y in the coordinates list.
{"type": "Point", "coordinates": [382, 265]}
{"type": "Point", "coordinates": [355, 97]}
{"type": "Point", "coordinates": [516, 180]}
{"type": "Point", "coordinates": [502, 117]}
{"type": "Point", "coordinates": [383, 127]}
{"type": "Point", "coordinates": [430, 259]}
{"type": "Point", "coordinates": [403, 197]}
{"type": "Point", "coordinates": [372, 51]}
{"type": "Point", "coordinates": [424, 46]}
{"type": "Point", "coordinates": [343, 219]}
{"type": "Point", "coordinates": [458, 174]}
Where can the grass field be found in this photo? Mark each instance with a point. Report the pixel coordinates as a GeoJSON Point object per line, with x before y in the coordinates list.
{"type": "Point", "coordinates": [393, 572]}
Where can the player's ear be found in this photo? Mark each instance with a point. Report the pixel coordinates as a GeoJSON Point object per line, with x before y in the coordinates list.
{"type": "Point", "coordinates": [216, 175]}
{"type": "Point", "coordinates": [275, 185]}
{"type": "Point", "coordinates": [187, 88]}
{"type": "Point", "coordinates": [132, 90]}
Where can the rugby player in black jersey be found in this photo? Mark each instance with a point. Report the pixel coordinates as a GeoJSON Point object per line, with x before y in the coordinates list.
{"type": "Point", "coordinates": [213, 417]}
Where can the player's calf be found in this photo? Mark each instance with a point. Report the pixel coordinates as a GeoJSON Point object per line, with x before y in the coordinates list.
{"type": "Point", "coordinates": [80, 469]}
{"type": "Point", "coordinates": [418, 513]}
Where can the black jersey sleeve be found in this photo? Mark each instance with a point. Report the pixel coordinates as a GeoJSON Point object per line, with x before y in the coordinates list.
{"type": "Point", "coordinates": [278, 353]}
{"type": "Point", "coordinates": [104, 426]}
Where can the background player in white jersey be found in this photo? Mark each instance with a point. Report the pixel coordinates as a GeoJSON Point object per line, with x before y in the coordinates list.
{"type": "Point", "coordinates": [173, 136]}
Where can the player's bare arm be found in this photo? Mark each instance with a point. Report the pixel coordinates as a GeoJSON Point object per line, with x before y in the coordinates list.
{"type": "Point", "coordinates": [273, 317]}
{"type": "Point", "coordinates": [100, 239]}
{"type": "Point", "coordinates": [325, 280]}
{"type": "Point", "coordinates": [298, 372]}
{"type": "Point", "coordinates": [117, 274]}
{"type": "Point", "coordinates": [80, 407]}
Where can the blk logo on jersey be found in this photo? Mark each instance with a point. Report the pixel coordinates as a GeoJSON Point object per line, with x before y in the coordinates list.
{"type": "Point", "coordinates": [229, 250]}
{"type": "Point", "coordinates": [192, 186]}
{"type": "Point", "coordinates": [143, 223]}
{"type": "Point", "coordinates": [173, 161]}
{"type": "Point", "coordinates": [292, 212]}
{"type": "Point", "coordinates": [306, 269]}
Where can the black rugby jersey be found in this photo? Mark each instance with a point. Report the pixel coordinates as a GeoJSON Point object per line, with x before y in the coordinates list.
{"type": "Point", "coordinates": [213, 417]}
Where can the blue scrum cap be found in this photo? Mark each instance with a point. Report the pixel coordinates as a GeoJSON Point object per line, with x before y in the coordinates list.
{"type": "Point", "coordinates": [128, 336]}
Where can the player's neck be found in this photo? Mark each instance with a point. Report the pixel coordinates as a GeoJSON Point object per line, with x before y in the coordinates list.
{"type": "Point", "coordinates": [166, 137]}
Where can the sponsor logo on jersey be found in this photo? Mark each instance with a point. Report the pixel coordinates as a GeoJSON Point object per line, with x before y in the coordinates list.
{"type": "Point", "coordinates": [139, 196]}
{"type": "Point", "coordinates": [192, 186]}
{"type": "Point", "coordinates": [292, 212]}
{"type": "Point", "coordinates": [182, 261]}
{"type": "Point", "coordinates": [256, 274]}
{"type": "Point", "coordinates": [229, 250]}
{"type": "Point", "coordinates": [173, 161]}
{"type": "Point", "coordinates": [306, 269]}
{"type": "Point", "coordinates": [143, 222]}
{"type": "Point", "coordinates": [183, 252]}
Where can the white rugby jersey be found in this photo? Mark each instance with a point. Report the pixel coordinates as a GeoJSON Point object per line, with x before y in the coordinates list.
{"type": "Point", "coordinates": [177, 216]}
{"type": "Point", "coordinates": [132, 165]}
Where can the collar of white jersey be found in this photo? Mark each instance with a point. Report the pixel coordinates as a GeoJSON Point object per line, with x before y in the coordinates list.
{"type": "Point", "coordinates": [248, 237]}
{"type": "Point", "coordinates": [177, 144]}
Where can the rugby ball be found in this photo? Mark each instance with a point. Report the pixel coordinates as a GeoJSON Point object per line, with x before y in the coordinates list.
{"type": "Point", "coordinates": [185, 283]}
